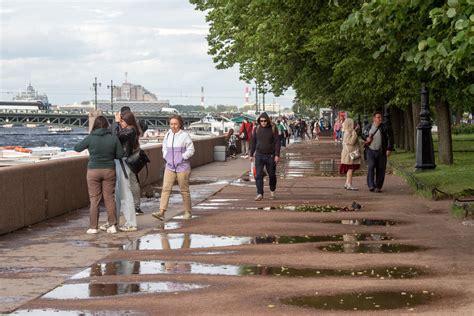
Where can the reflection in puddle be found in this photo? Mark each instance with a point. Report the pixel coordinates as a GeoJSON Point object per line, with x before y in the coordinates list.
{"type": "Point", "coordinates": [57, 312]}
{"type": "Point", "coordinates": [170, 225]}
{"type": "Point", "coordinates": [165, 241]}
{"type": "Point", "coordinates": [211, 253]}
{"type": "Point", "coordinates": [364, 301]}
{"type": "Point", "coordinates": [308, 208]}
{"type": "Point", "coordinates": [124, 267]}
{"type": "Point", "coordinates": [364, 222]}
{"type": "Point", "coordinates": [10, 270]}
{"type": "Point", "coordinates": [182, 216]}
{"type": "Point", "coordinates": [207, 181]}
{"type": "Point", "coordinates": [91, 290]}
{"type": "Point", "coordinates": [224, 200]}
{"type": "Point", "coordinates": [370, 248]}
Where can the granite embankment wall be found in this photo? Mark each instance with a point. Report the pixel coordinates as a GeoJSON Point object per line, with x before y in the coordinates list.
{"type": "Point", "coordinates": [32, 193]}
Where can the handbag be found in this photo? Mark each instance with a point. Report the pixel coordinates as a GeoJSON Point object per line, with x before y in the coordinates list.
{"type": "Point", "coordinates": [137, 160]}
{"type": "Point", "coordinates": [355, 154]}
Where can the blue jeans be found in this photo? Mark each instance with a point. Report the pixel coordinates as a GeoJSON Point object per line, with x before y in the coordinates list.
{"type": "Point", "coordinates": [268, 162]}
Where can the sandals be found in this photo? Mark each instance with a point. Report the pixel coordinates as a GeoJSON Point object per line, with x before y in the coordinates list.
{"type": "Point", "coordinates": [159, 215]}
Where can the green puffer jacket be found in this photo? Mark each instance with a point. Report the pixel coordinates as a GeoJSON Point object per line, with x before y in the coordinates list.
{"type": "Point", "coordinates": [103, 149]}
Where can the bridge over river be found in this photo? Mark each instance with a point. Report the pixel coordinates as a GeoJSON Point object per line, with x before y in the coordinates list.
{"type": "Point", "coordinates": [154, 120]}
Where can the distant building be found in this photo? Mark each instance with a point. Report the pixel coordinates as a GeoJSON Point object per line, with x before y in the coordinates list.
{"type": "Point", "coordinates": [31, 95]}
{"type": "Point", "coordinates": [132, 92]}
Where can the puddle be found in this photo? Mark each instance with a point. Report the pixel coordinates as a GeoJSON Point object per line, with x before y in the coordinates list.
{"type": "Point", "coordinates": [308, 208]}
{"type": "Point", "coordinates": [182, 217]}
{"type": "Point", "coordinates": [370, 248]}
{"type": "Point", "coordinates": [364, 222]}
{"type": "Point", "coordinates": [165, 241]}
{"type": "Point", "coordinates": [82, 243]}
{"type": "Point", "coordinates": [126, 268]}
{"type": "Point", "coordinates": [224, 200]}
{"type": "Point", "coordinates": [93, 290]}
{"type": "Point", "coordinates": [211, 253]}
{"type": "Point", "coordinates": [206, 181]}
{"type": "Point", "coordinates": [58, 312]}
{"type": "Point", "coordinates": [170, 225]}
{"type": "Point", "coordinates": [380, 300]}
{"type": "Point", "coordinates": [11, 270]}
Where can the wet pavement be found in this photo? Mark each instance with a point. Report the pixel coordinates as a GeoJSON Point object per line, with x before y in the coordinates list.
{"type": "Point", "coordinates": [315, 248]}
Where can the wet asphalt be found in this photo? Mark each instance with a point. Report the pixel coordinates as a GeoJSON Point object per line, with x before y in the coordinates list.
{"type": "Point", "coordinates": [316, 248]}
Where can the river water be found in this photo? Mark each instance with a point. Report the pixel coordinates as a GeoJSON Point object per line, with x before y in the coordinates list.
{"type": "Point", "coordinates": [39, 136]}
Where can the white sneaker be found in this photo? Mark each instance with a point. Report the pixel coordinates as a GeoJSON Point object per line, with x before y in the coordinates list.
{"type": "Point", "coordinates": [128, 228]}
{"type": "Point", "coordinates": [272, 195]}
{"type": "Point", "coordinates": [351, 188]}
{"type": "Point", "coordinates": [112, 230]}
{"type": "Point", "coordinates": [187, 215]}
{"type": "Point", "coordinates": [104, 227]}
{"type": "Point", "coordinates": [259, 197]}
{"type": "Point", "coordinates": [92, 231]}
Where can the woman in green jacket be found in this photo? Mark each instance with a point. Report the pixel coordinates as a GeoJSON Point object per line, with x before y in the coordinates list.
{"type": "Point", "coordinates": [103, 148]}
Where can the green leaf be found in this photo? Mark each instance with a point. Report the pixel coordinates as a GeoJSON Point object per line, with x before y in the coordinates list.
{"type": "Point", "coordinates": [471, 40]}
{"type": "Point", "coordinates": [453, 3]}
{"type": "Point", "coordinates": [471, 89]}
{"type": "Point", "coordinates": [376, 55]}
{"type": "Point", "coordinates": [422, 45]}
{"type": "Point", "coordinates": [451, 12]}
{"type": "Point", "coordinates": [461, 24]}
{"type": "Point", "coordinates": [431, 42]}
{"type": "Point", "coordinates": [442, 50]}
{"type": "Point", "coordinates": [471, 18]}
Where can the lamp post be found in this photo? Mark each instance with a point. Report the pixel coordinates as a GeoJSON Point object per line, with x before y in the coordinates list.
{"type": "Point", "coordinates": [111, 87]}
{"type": "Point", "coordinates": [94, 85]}
{"type": "Point", "coordinates": [256, 96]}
{"type": "Point", "coordinates": [424, 140]}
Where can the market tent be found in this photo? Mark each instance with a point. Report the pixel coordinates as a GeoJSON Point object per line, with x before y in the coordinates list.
{"type": "Point", "coordinates": [240, 119]}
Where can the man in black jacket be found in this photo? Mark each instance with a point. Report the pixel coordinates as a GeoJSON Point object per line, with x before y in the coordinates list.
{"type": "Point", "coordinates": [378, 141]}
{"type": "Point", "coordinates": [265, 148]}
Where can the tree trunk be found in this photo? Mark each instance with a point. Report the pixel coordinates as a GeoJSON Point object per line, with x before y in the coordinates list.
{"type": "Point", "coordinates": [443, 118]}
{"type": "Point", "coordinates": [405, 131]}
{"type": "Point", "coordinates": [409, 129]}
{"type": "Point", "coordinates": [416, 109]}
{"type": "Point", "coordinates": [396, 126]}
{"type": "Point", "coordinates": [459, 111]}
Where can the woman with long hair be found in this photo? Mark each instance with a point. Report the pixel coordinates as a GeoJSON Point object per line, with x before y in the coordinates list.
{"type": "Point", "coordinates": [103, 148]}
{"type": "Point", "coordinates": [127, 132]}
{"type": "Point", "coordinates": [231, 143]}
{"type": "Point", "coordinates": [350, 144]}
{"type": "Point", "coordinates": [177, 149]}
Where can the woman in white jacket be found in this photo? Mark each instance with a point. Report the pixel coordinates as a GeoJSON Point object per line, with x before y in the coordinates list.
{"type": "Point", "coordinates": [177, 149]}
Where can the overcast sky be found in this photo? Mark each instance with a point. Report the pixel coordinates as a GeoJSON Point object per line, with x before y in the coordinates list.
{"type": "Point", "coordinates": [62, 45]}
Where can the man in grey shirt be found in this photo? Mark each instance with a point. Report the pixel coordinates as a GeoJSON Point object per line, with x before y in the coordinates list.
{"type": "Point", "coordinates": [379, 144]}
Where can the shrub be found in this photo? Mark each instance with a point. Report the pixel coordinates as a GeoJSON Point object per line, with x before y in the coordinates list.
{"type": "Point", "coordinates": [463, 129]}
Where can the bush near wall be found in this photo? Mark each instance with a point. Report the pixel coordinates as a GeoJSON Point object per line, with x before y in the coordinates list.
{"type": "Point", "coordinates": [463, 129]}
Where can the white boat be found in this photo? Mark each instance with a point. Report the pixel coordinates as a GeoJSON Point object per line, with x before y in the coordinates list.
{"type": "Point", "coordinates": [31, 125]}
{"type": "Point", "coordinates": [57, 129]}
{"type": "Point", "coordinates": [210, 125]}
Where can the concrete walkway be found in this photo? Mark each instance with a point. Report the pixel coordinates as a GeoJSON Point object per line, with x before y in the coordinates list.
{"type": "Point", "coordinates": [237, 256]}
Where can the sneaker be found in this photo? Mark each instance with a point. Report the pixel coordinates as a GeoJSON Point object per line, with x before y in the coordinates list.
{"type": "Point", "coordinates": [112, 230]}
{"type": "Point", "coordinates": [371, 189]}
{"type": "Point", "coordinates": [272, 195]}
{"type": "Point", "coordinates": [92, 231]}
{"type": "Point", "coordinates": [138, 211]}
{"type": "Point", "coordinates": [159, 215]}
{"type": "Point", "coordinates": [128, 228]}
{"type": "Point", "coordinates": [104, 227]}
{"type": "Point", "coordinates": [259, 197]}
{"type": "Point", "coordinates": [378, 190]}
{"type": "Point", "coordinates": [346, 186]}
{"type": "Point", "coordinates": [187, 215]}
{"type": "Point", "coordinates": [351, 188]}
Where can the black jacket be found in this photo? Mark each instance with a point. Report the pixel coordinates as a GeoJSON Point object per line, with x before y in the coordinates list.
{"type": "Point", "coordinates": [128, 138]}
{"type": "Point", "coordinates": [387, 136]}
{"type": "Point", "coordinates": [265, 140]}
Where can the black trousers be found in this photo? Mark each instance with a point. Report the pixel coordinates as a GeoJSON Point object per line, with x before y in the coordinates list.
{"type": "Point", "coordinates": [376, 164]}
{"type": "Point", "coordinates": [268, 162]}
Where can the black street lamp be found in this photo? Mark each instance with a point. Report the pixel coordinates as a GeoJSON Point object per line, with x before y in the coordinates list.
{"type": "Point", "coordinates": [424, 140]}
{"type": "Point", "coordinates": [111, 87]}
{"type": "Point", "coordinates": [95, 85]}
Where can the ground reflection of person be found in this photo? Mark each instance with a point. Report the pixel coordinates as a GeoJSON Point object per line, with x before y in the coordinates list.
{"type": "Point", "coordinates": [103, 289]}
{"type": "Point", "coordinates": [176, 267]}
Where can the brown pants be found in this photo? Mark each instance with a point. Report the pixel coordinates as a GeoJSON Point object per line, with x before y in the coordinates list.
{"type": "Point", "coordinates": [183, 182]}
{"type": "Point", "coordinates": [101, 182]}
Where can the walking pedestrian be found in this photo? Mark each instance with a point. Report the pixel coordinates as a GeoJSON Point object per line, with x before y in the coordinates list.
{"type": "Point", "coordinates": [231, 143]}
{"type": "Point", "coordinates": [316, 129]}
{"type": "Point", "coordinates": [350, 155]}
{"type": "Point", "coordinates": [245, 135]}
{"type": "Point", "coordinates": [128, 133]}
{"type": "Point", "coordinates": [281, 133]}
{"type": "Point", "coordinates": [266, 151]}
{"type": "Point", "coordinates": [378, 146]}
{"type": "Point", "coordinates": [103, 148]}
{"type": "Point", "coordinates": [177, 149]}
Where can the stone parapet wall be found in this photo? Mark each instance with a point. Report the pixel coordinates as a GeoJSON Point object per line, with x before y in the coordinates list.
{"type": "Point", "coordinates": [32, 193]}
